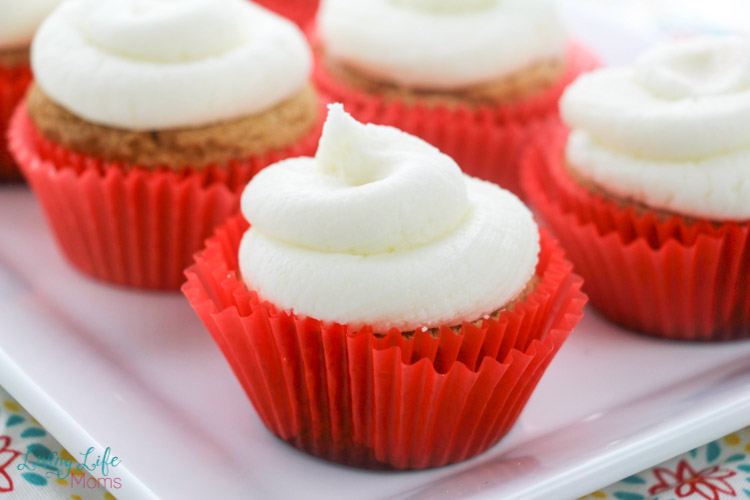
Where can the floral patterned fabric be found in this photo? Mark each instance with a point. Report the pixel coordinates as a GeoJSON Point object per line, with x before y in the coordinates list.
{"type": "Point", "coordinates": [32, 462]}
{"type": "Point", "coordinates": [718, 471]}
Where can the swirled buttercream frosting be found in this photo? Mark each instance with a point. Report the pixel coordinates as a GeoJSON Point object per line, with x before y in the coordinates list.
{"type": "Point", "coordinates": [382, 229]}
{"type": "Point", "coordinates": [440, 44]}
{"type": "Point", "coordinates": [670, 132]}
{"type": "Point", "coordinates": [19, 20]}
{"type": "Point", "coordinates": [158, 64]}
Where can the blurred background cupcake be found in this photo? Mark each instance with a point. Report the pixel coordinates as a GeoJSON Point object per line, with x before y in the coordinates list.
{"type": "Point", "coordinates": [476, 78]}
{"type": "Point", "coordinates": [649, 192]}
{"type": "Point", "coordinates": [364, 308]}
{"type": "Point", "coordinates": [147, 119]}
{"type": "Point", "coordinates": [301, 12]}
{"type": "Point", "coordinates": [18, 22]}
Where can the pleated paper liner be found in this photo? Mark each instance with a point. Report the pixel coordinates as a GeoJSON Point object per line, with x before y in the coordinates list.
{"type": "Point", "coordinates": [486, 142]}
{"type": "Point", "coordinates": [129, 225]}
{"type": "Point", "coordinates": [301, 12]}
{"type": "Point", "coordinates": [391, 401]}
{"type": "Point", "coordinates": [665, 277]}
{"type": "Point", "coordinates": [13, 84]}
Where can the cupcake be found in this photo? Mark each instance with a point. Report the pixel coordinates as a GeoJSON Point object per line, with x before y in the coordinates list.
{"type": "Point", "coordinates": [380, 308]}
{"type": "Point", "coordinates": [299, 11]}
{"type": "Point", "coordinates": [146, 119]}
{"type": "Point", "coordinates": [648, 192]}
{"type": "Point", "coordinates": [18, 22]}
{"type": "Point", "coordinates": [475, 78]}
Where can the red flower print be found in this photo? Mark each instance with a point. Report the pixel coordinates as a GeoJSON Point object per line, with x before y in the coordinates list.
{"type": "Point", "coordinates": [6, 458]}
{"type": "Point", "coordinates": [687, 483]}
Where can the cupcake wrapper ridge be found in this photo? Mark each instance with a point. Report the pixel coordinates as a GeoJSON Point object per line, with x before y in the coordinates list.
{"type": "Point", "coordinates": [13, 84]}
{"type": "Point", "coordinates": [486, 141]}
{"type": "Point", "coordinates": [663, 277]}
{"type": "Point", "coordinates": [383, 401]}
{"type": "Point", "coordinates": [128, 225]}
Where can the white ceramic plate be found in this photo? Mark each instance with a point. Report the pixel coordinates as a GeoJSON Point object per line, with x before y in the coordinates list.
{"type": "Point", "coordinates": [107, 367]}
{"type": "Point", "coordinates": [103, 366]}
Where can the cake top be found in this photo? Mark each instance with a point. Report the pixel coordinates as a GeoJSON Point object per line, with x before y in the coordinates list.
{"type": "Point", "coordinates": [382, 229]}
{"type": "Point", "coordinates": [671, 131]}
{"type": "Point", "coordinates": [159, 64]}
{"type": "Point", "coordinates": [20, 19]}
{"type": "Point", "coordinates": [440, 44]}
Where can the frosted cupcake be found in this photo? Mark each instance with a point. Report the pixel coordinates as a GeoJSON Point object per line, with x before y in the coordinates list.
{"type": "Point", "coordinates": [378, 284]}
{"type": "Point", "coordinates": [649, 192]}
{"type": "Point", "coordinates": [18, 21]}
{"type": "Point", "coordinates": [147, 118]}
{"type": "Point", "coordinates": [476, 78]}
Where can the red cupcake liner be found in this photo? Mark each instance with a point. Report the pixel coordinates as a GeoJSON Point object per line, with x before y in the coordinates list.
{"type": "Point", "coordinates": [13, 84]}
{"type": "Point", "coordinates": [665, 277]}
{"type": "Point", "coordinates": [486, 141]}
{"type": "Point", "coordinates": [130, 225]}
{"type": "Point", "coordinates": [301, 12]}
{"type": "Point", "coordinates": [374, 401]}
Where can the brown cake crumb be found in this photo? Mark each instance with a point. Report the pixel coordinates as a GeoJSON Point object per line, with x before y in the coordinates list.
{"type": "Point", "coordinates": [519, 85]}
{"type": "Point", "coordinates": [13, 57]}
{"type": "Point", "coordinates": [273, 129]}
{"type": "Point", "coordinates": [528, 290]}
{"type": "Point", "coordinates": [622, 202]}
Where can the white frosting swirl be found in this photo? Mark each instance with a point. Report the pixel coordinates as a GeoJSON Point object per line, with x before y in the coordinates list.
{"type": "Point", "coordinates": [380, 228]}
{"type": "Point", "coordinates": [19, 20]}
{"type": "Point", "coordinates": [440, 44]}
{"type": "Point", "coordinates": [700, 67]}
{"type": "Point", "coordinates": [670, 132]}
{"type": "Point", "coordinates": [158, 64]}
{"type": "Point", "coordinates": [451, 6]}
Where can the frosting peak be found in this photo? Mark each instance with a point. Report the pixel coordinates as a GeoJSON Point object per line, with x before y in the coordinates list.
{"type": "Point", "coordinates": [373, 190]}
{"type": "Point", "coordinates": [696, 68]}
{"type": "Point", "coordinates": [159, 64]}
{"type": "Point", "coordinates": [343, 151]}
{"type": "Point", "coordinates": [380, 228]}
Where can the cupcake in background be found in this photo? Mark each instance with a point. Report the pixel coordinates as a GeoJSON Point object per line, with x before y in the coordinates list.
{"type": "Point", "coordinates": [382, 309]}
{"type": "Point", "coordinates": [476, 78]}
{"type": "Point", "coordinates": [19, 20]}
{"type": "Point", "coordinates": [301, 12]}
{"type": "Point", "coordinates": [649, 192]}
{"type": "Point", "coordinates": [146, 119]}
